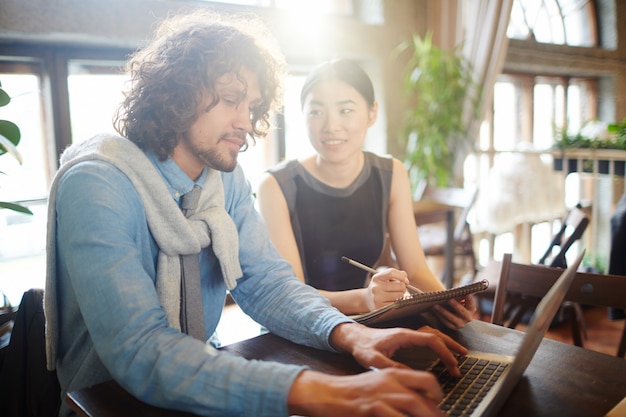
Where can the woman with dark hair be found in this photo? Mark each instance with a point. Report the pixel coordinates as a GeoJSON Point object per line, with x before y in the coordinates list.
{"type": "Point", "coordinates": [344, 201]}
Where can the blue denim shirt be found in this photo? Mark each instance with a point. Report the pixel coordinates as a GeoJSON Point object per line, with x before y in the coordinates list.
{"type": "Point", "coordinates": [111, 325]}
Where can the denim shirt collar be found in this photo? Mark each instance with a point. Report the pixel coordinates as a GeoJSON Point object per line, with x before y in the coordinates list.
{"type": "Point", "coordinates": [178, 183]}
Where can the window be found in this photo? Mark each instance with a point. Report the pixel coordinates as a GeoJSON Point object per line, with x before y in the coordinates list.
{"type": "Point", "coordinates": [22, 237]}
{"type": "Point", "coordinates": [542, 92]}
{"type": "Point", "coordinates": [297, 142]}
{"type": "Point", "coordinates": [532, 105]}
{"type": "Point", "coordinates": [561, 22]}
{"type": "Point", "coordinates": [55, 99]}
{"type": "Point", "coordinates": [368, 11]}
{"type": "Point", "coordinates": [94, 91]}
{"type": "Point", "coordinates": [28, 181]}
{"type": "Point", "coordinates": [339, 7]}
{"type": "Point", "coordinates": [535, 109]}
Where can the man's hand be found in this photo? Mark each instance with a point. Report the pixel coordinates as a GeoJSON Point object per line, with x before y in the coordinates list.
{"type": "Point", "coordinates": [390, 392]}
{"type": "Point", "coordinates": [375, 347]}
{"type": "Point", "coordinates": [394, 391]}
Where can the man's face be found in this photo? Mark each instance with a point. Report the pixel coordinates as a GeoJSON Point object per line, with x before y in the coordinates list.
{"type": "Point", "coordinates": [219, 132]}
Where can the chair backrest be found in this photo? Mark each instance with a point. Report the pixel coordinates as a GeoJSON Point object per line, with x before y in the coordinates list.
{"type": "Point", "coordinates": [461, 198]}
{"type": "Point", "coordinates": [572, 228]}
{"type": "Point", "coordinates": [27, 388]}
{"type": "Point", "coordinates": [535, 281]}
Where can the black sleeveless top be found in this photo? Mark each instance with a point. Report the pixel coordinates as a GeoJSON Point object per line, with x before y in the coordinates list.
{"type": "Point", "coordinates": [329, 222]}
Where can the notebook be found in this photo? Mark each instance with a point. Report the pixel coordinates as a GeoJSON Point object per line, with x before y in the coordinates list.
{"type": "Point", "coordinates": [417, 303]}
{"type": "Point", "coordinates": [498, 374]}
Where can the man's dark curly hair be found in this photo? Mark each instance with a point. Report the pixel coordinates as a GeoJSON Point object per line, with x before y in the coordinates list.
{"type": "Point", "coordinates": [171, 75]}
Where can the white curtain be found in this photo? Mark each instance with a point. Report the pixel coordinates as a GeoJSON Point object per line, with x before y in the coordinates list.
{"type": "Point", "coordinates": [483, 26]}
{"type": "Point", "coordinates": [478, 28]}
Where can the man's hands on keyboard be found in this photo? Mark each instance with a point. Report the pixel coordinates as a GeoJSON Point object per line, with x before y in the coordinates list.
{"type": "Point", "coordinates": [462, 395]}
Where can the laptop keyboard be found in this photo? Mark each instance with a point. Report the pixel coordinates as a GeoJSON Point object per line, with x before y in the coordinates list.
{"type": "Point", "coordinates": [462, 395]}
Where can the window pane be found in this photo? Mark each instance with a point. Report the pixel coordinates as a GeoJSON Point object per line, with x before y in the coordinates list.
{"type": "Point", "coordinates": [29, 180]}
{"type": "Point", "coordinates": [242, 2]}
{"type": "Point", "coordinates": [551, 110]}
{"type": "Point", "coordinates": [95, 91]}
{"type": "Point", "coordinates": [546, 99]}
{"type": "Point", "coordinates": [341, 7]}
{"type": "Point", "coordinates": [517, 29]}
{"type": "Point", "coordinates": [570, 22]}
{"type": "Point", "coordinates": [297, 143]}
{"type": "Point", "coordinates": [259, 157]}
{"type": "Point", "coordinates": [22, 237]}
{"type": "Point", "coordinates": [574, 119]}
{"type": "Point", "coordinates": [505, 129]}
{"type": "Point", "coordinates": [548, 26]}
{"type": "Point", "coordinates": [577, 15]}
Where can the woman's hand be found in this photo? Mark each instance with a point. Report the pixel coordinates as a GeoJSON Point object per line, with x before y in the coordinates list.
{"type": "Point", "coordinates": [456, 313]}
{"type": "Point", "coordinates": [388, 285]}
{"type": "Point", "coordinates": [385, 287]}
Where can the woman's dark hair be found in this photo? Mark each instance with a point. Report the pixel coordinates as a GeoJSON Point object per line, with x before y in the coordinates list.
{"type": "Point", "coordinates": [340, 70]}
{"type": "Point", "coordinates": [171, 76]}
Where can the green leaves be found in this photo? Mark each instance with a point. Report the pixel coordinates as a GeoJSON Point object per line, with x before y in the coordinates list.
{"type": "Point", "coordinates": [9, 139]}
{"type": "Point", "coordinates": [15, 207]}
{"type": "Point", "coordinates": [4, 97]}
{"type": "Point", "coordinates": [437, 83]}
{"type": "Point", "coordinates": [616, 139]}
{"type": "Point", "coordinates": [9, 132]}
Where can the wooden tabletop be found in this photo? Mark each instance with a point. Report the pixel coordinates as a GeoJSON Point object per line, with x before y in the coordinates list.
{"type": "Point", "coordinates": [429, 211]}
{"type": "Point", "coordinates": [562, 380]}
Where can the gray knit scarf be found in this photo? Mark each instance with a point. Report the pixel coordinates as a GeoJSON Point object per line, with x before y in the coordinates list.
{"type": "Point", "coordinates": [174, 234]}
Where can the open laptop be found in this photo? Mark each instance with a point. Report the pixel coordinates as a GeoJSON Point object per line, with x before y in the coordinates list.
{"type": "Point", "coordinates": [495, 375]}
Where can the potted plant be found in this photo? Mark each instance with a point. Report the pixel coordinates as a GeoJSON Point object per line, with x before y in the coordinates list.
{"type": "Point", "coordinates": [437, 83]}
{"type": "Point", "coordinates": [9, 138]}
{"type": "Point", "coordinates": [594, 135]}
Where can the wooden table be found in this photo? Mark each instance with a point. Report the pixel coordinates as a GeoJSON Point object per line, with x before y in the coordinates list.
{"type": "Point", "coordinates": [562, 380]}
{"type": "Point", "coordinates": [427, 211]}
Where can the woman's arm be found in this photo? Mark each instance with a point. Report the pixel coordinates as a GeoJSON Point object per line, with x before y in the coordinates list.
{"type": "Point", "coordinates": [403, 233]}
{"type": "Point", "coordinates": [273, 207]}
{"type": "Point", "coordinates": [410, 255]}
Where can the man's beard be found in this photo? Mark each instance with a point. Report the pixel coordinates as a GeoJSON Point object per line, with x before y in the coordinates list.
{"type": "Point", "coordinates": [213, 158]}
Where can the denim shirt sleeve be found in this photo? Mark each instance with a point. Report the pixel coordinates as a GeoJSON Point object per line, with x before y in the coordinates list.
{"type": "Point", "coordinates": [112, 325]}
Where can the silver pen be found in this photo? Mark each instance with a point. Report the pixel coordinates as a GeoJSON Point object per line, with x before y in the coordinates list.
{"type": "Point", "coordinates": [410, 287]}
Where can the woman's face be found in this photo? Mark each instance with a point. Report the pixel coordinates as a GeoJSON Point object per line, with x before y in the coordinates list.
{"type": "Point", "coordinates": [337, 118]}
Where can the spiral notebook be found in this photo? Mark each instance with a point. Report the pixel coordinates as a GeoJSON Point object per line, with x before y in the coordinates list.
{"type": "Point", "coordinates": [418, 303]}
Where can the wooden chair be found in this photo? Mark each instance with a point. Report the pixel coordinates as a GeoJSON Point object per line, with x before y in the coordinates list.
{"type": "Point", "coordinates": [7, 320]}
{"type": "Point", "coordinates": [573, 225]}
{"type": "Point", "coordinates": [433, 237]}
{"type": "Point", "coordinates": [534, 281]}
{"type": "Point", "coordinates": [572, 228]}
{"type": "Point", "coordinates": [27, 388]}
